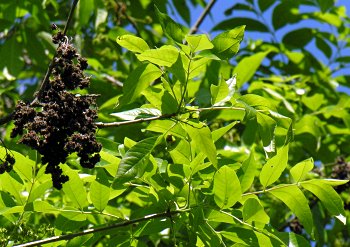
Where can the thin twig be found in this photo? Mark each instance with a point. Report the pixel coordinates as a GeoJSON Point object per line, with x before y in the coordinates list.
{"type": "Point", "coordinates": [167, 214]}
{"type": "Point", "coordinates": [166, 116]}
{"type": "Point", "coordinates": [113, 80]}
{"type": "Point", "coordinates": [201, 18]}
{"type": "Point", "coordinates": [140, 120]}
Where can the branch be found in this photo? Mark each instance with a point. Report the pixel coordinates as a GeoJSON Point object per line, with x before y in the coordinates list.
{"type": "Point", "coordinates": [45, 81]}
{"type": "Point", "coordinates": [167, 214]}
{"type": "Point", "coordinates": [201, 18]}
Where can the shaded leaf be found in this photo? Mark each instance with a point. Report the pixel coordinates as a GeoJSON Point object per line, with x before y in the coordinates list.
{"type": "Point", "coordinates": [298, 38]}
{"type": "Point", "coordinates": [250, 24]}
{"type": "Point", "coordinates": [138, 80]}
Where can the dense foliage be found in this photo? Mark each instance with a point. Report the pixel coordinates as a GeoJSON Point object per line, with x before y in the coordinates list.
{"type": "Point", "coordinates": [207, 139]}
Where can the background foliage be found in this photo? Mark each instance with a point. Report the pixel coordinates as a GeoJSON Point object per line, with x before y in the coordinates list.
{"type": "Point", "coordinates": [205, 147]}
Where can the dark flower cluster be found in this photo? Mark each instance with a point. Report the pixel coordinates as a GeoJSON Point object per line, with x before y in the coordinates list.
{"type": "Point", "coordinates": [341, 170]}
{"type": "Point", "coordinates": [7, 164]}
{"type": "Point", "coordinates": [64, 123]}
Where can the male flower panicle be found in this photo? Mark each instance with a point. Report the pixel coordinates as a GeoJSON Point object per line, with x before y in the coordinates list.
{"type": "Point", "coordinates": [64, 123]}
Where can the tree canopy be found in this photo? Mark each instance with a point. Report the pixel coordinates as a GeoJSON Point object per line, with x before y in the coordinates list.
{"type": "Point", "coordinates": [127, 123]}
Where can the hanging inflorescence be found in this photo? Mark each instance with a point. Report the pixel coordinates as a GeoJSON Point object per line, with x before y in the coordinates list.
{"type": "Point", "coordinates": [64, 122]}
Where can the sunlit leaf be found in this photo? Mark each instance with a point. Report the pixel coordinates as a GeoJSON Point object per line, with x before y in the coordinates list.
{"type": "Point", "coordinates": [227, 43]}
{"type": "Point", "coordinates": [74, 189]}
{"type": "Point", "coordinates": [247, 67]}
{"type": "Point", "coordinates": [132, 43]}
{"type": "Point", "coordinates": [202, 140]}
{"type": "Point", "coordinates": [296, 202]}
{"type": "Point", "coordinates": [172, 29]}
{"type": "Point", "coordinates": [247, 172]}
{"type": "Point", "coordinates": [198, 42]}
{"type": "Point", "coordinates": [135, 160]}
{"type": "Point", "coordinates": [300, 170]}
{"type": "Point", "coordinates": [137, 113]}
{"type": "Point", "coordinates": [163, 56]}
{"type": "Point", "coordinates": [274, 167]}
{"type": "Point", "coordinates": [254, 211]}
{"type": "Point", "coordinates": [227, 189]}
{"type": "Point", "coordinates": [328, 196]}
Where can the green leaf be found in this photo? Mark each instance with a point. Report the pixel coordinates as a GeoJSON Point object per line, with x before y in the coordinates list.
{"type": "Point", "coordinates": [274, 167]}
{"type": "Point", "coordinates": [247, 67]}
{"type": "Point", "coordinates": [183, 9]}
{"type": "Point", "coordinates": [323, 46]}
{"type": "Point", "coordinates": [85, 9]}
{"type": "Point", "coordinates": [198, 42]}
{"type": "Point", "coordinates": [74, 188]}
{"type": "Point", "coordinates": [289, 16]}
{"type": "Point", "coordinates": [218, 133]}
{"type": "Point", "coordinates": [250, 24]}
{"type": "Point", "coordinates": [300, 170]}
{"type": "Point", "coordinates": [101, 17]}
{"type": "Point", "coordinates": [223, 92]}
{"type": "Point", "coordinates": [298, 38]}
{"type": "Point", "coordinates": [328, 196]}
{"type": "Point", "coordinates": [217, 216]}
{"type": "Point", "coordinates": [266, 127]}
{"type": "Point", "coordinates": [246, 237]}
{"type": "Point", "coordinates": [325, 4]}
{"type": "Point", "coordinates": [257, 101]}
{"type": "Point", "coordinates": [137, 113]}
{"type": "Point", "coordinates": [171, 29]}
{"type": "Point", "coordinates": [202, 140]}
{"type": "Point", "coordinates": [226, 44]}
{"type": "Point", "coordinates": [100, 191]}
{"type": "Point", "coordinates": [253, 211]}
{"type": "Point", "coordinates": [24, 166]}
{"type": "Point", "coordinates": [296, 202]}
{"type": "Point", "coordinates": [161, 99]}
{"type": "Point", "coordinates": [132, 43]}
{"type": "Point", "coordinates": [11, 183]}
{"type": "Point", "coordinates": [227, 189]}
{"type": "Point", "coordinates": [265, 4]}
{"type": "Point", "coordinates": [138, 80]}
{"type": "Point", "coordinates": [247, 172]}
{"type": "Point", "coordinates": [163, 56]}
{"type": "Point", "coordinates": [167, 126]}
{"type": "Point", "coordinates": [133, 164]}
